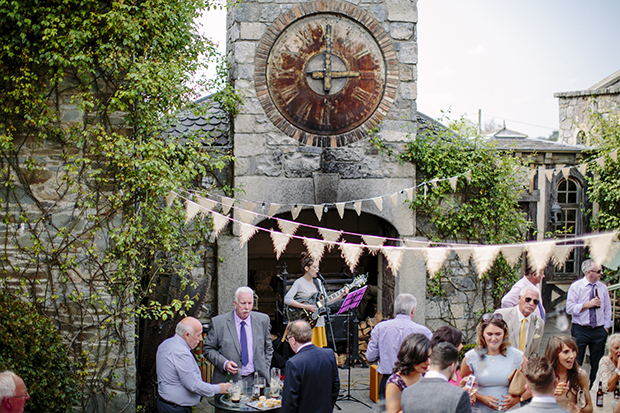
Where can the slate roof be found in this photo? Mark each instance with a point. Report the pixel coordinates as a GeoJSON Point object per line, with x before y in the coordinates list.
{"type": "Point", "coordinates": [213, 128]}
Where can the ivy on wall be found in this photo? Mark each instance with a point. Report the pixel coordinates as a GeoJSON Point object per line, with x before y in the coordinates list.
{"type": "Point", "coordinates": [88, 89]}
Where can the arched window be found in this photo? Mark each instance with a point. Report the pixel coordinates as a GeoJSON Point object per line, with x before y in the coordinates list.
{"type": "Point", "coordinates": [569, 223]}
{"type": "Point", "coordinates": [581, 138]}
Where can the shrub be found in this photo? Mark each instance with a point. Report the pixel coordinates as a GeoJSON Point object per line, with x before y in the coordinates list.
{"type": "Point", "coordinates": [31, 346]}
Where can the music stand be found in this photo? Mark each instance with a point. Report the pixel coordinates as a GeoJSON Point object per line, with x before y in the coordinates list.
{"type": "Point", "coordinates": [351, 302]}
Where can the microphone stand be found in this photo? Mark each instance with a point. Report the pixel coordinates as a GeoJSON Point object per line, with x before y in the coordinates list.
{"type": "Point", "coordinates": [327, 316]}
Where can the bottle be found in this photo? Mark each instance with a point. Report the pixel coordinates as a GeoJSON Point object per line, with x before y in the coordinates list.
{"type": "Point", "coordinates": [596, 293]}
{"type": "Point", "coordinates": [599, 395]}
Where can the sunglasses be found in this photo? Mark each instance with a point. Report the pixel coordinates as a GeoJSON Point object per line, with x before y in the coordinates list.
{"type": "Point", "coordinates": [528, 299]}
{"type": "Point", "coordinates": [488, 317]}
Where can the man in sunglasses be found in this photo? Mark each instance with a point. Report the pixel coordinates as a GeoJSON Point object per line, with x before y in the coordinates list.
{"type": "Point", "coordinates": [13, 393]}
{"type": "Point", "coordinates": [532, 277]}
{"type": "Point", "coordinates": [525, 328]}
{"type": "Point", "coordinates": [589, 304]}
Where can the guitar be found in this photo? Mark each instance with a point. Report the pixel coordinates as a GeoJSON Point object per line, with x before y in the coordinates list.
{"type": "Point", "coordinates": [316, 299]}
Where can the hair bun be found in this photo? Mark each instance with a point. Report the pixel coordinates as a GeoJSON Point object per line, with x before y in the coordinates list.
{"type": "Point", "coordinates": [304, 255]}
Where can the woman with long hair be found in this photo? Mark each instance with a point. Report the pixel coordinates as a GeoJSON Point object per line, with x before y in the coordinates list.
{"type": "Point", "coordinates": [303, 289]}
{"type": "Point", "coordinates": [414, 357]}
{"type": "Point", "coordinates": [491, 362]}
{"type": "Point", "coordinates": [449, 335]}
{"type": "Point", "coordinates": [572, 391]}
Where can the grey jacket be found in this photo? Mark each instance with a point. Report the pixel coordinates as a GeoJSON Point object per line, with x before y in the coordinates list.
{"type": "Point", "coordinates": [535, 407]}
{"type": "Point", "coordinates": [434, 395]}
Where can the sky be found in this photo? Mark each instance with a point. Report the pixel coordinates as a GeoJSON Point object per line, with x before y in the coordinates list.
{"type": "Point", "coordinates": [504, 57]}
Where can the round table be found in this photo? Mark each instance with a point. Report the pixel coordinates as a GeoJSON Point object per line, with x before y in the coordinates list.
{"type": "Point", "coordinates": [222, 403]}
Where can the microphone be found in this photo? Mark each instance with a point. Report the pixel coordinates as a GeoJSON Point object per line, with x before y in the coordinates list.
{"type": "Point", "coordinates": [318, 274]}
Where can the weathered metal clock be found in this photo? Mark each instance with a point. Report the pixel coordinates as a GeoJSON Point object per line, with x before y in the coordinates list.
{"type": "Point", "coordinates": [326, 73]}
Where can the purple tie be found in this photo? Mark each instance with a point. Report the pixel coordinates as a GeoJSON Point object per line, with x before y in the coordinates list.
{"type": "Point", "coordinates": [244, 345]}
{"type": "Point", "coordinates": [592, 310]}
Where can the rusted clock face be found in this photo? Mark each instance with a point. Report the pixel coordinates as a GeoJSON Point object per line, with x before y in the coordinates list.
{"type": "Point", "coordinates": [326, 79]}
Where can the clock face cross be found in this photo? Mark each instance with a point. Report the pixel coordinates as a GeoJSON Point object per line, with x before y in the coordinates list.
{"type": "Point", "coordinates": [327, 74]}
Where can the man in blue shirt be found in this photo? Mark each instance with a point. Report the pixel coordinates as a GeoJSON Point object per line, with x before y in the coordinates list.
{"type": "Point", "coordinates": [179, 381]}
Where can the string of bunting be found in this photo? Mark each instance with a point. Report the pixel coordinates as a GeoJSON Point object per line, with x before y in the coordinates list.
{"type": "Point", "coordinates": [602, 246]}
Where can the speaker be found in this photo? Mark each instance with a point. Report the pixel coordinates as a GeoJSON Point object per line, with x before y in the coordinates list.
{"type": "Point", "coordinates": [339, 325]}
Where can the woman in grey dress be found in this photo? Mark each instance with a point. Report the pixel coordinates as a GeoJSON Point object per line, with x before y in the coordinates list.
{"type": "Point", "coordinates": [491, 362]}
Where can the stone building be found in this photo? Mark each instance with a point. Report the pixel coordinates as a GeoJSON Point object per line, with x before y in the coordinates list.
{"type": "Point", "coordinates": [575, 108]}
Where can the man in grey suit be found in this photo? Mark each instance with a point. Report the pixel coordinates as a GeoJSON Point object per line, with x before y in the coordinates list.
{"type": "Point", "coordinates": [541, 381]}
{"type": "Point", "coordinates": [239, 342]}
{"type": "Point", "coordinates": [433, 393]}
{"type": "Point", "coordinates": [525, 328]}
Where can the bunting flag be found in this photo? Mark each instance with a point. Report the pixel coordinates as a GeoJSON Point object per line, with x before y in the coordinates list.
{"type": "Point", "coordinates": [358, 208]}
{"type": "Point", "coordinates": [246, 231]}
{"type": "Point", "coordinates": [464, 254]}
{"type": "Point", "coordinates": [539, 253]}
{"type": "Point", "coordinates": [434, 182]}
{"type": "Point", "coordinates": [246, 216]}
{"type": "Point", "coordinates": [288, 227]}
{"type": "Point", "coordinates": [227, 203]}
{"type": "Point", "coordinates": [318, 211]}
{"type": "Point", "coordinates": [315, 248]}
{"type": "Point", "coordinates": [249, 206]}
{"type": "Point", "coordinates": [583, 168]}
{"type": "Point", "coordinates": [560, 254]}
{"type": "Point", "coordinates": [351, 254]}
{"type": "Point", "coordinates": [549, 174]}
{"type": "Point", "coordinates": [170, 198]}
{"type": "Point", "coordinates": [409, 193]}
{"type": "Point", "coordinates": [280, 242]}
{"type": "Point", "coordinates": [600, 246]}
{"type": "Point", "coordinates": [435, 257]}
{"type": "Point", "coordinates": [331, 236]}
{"type": "Point", "coordinates": [467, 176]}
{"type": "Point", "coordinates": [484, 257]}
{"type": "Point", "coordinates": [394, 257]}
{"type": "Point", "coordinates": [394, 199]}
{"type": "Point", "coordinates": [566, 172]}
{"type": "Point", "coordinates": [295, 210]}
{"type": "Point", "coordinates": [600, 161]}
{"type": "Point", "coordinates": [512, 253]}
{"type": "Point", "coordinates": [416, 244]}
{"type": "Point", "coordinates": [207, 205]}
{"type": "Point", "coordinates": [273, 208]}
{"type": "Point", "coordinates": [378, 202]}
{"type": "Point", "coordinates": [374, 243]}
{"type": "Point", "coordinates": [340, 208]}
{"type": "Point", "coordinates": [191, 210]}
{"type": "Point", "coordinates": [219, 222]}
{"type": "Point", "coordinates": [453, 182]}
{"type": "Point", "coordinates": [614, 155]}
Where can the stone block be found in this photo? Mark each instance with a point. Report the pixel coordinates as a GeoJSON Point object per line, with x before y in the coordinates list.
{"type": "Point", "coordinates": [378, 12]}
{"type": "Point", "coordinates": [277, 190]}
{"type": "Point", "coordinates": [245, 12]}
{"type": "Point", "coordinates": [402, 10]}
{"type": "Point", "coordinates": [252, 124]}
{"type": "Point", "coordinates": [346, 170]}
{"type": "Point", "coordinates": [279, 139]}
{"type": "Point", "coordinates": [344, 154]}
{"type": "Point", "coordinates": [251, 30]}
{"type": "Point", "coordinates": [269, 165]}
{"type": "Point", "coordinates": [401, 31]}
{"type": "Point", "coordinates": [325, 187]}
{"type": "Point", "coordinates": [408, 90]}
{"type": "Point", "coordinates": [270, 13]}
{"type": "Point", "coordinates": [303, 162]}
{"type": "Point", "coordinates": [247, 144]}
{"type": "Point", "coordinates": [244, 51]}
{"type": "Point", "coordinates": [408, 52]}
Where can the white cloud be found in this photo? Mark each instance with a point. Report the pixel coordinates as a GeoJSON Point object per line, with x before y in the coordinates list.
{"type": "Point", "coordinates": [476, 50]}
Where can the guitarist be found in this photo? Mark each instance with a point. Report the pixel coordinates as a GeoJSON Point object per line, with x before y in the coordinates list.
{"type": "Point", "coordinates": [304, 288]}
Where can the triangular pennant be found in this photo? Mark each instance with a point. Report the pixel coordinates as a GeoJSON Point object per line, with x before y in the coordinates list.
{"type": "Point", "coordinates": [330, 235]}
{"type": "Point", "coordinates": [280, 241]}
{"type": "Point", "coordinates": [601, 161]}
{"type": "Point", "coordinates": [409, 192]}
{"type": "Point", "coordinates": [351, 254]}
{"type": "Point", "coordinates": [484, 258]}
{"type": "Point", "coordinates": [614, 155]}
{"type": "Point", "coordinates": [394, 199]}
{"type": "Point", "coordinates": [539, 253]}
{"type": "Point", "coordinates": [374, 243]}
{"type": "Point", "coordinates": [315, 248]}
{"type": "Point", "coordinates": [246, 232]}
{"type": "Point", "coordinates": [416, 244]}
{"type": "Point", "coordinates": [464, 254]}
{"type": "Point", "coordinates": [435, 257]}
{"type": "Point", "coordinates": [246, 216]}
{"type": "Point", "coordinates": [600, 246]}
{"type": "Point", "coordinates": [226, 204]}
{"type": "Point", "coordinates": [207, 204]}
{"type": "Point", "coordinates": [434, 182]}
{"type": "Point", "coordinates": [340, 208]}
{"type": "Point", "coordinates": [273, 208]}
{"type": "Point", "coordinates": [566, 172]}
{"type": "Point", "coordinates": [560, 254]}
{"type": "Point", "coordinates": [549, 174]}
{"type": "Point", "coordinates": [453, 181]}
{"type": "Point", "coordinates": [295, 210]}
{"type": "Point", "coordinates": [394, 257]}
{"type": "Point", "coordinates": [583, 168]}
{"type": "Point", "coordinates": [318, 211]}
{"type": "Point", "coordinates": [378, 202]}
{"type": "Point", "coordinates": [288, 227]}
{"type": "Point", "coordinates": [358, 207]}
{"type": "Point", "coordinates": [191, 210]}
{"type": "Point", "coordinates": [512, 253]}
{"type": "Point", "coordinates": [249, 206]}
{"type": "Point", "coordinates": [170, 198]}
{"type": "Point", "coordinates": [219, 222]}
{"type": "Point", "coordinates": [467, 176]}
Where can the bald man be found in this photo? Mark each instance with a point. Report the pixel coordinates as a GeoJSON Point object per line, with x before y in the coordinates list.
{"type": "Point", "coordinates": [13, 393]}
{"type": "Point", "coordinates": [179, 381]}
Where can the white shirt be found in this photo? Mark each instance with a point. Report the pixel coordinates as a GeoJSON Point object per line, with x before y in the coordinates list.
{"type": "Point", "coordinates": [579, 294]}
{"type": "Point", "coordinates": [431, 374]}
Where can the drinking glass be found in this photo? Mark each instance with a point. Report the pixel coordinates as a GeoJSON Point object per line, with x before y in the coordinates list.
{"type": "Point", "coordinates": [261, 383]}
{"type": "Point", "coordinates": [274, 384]}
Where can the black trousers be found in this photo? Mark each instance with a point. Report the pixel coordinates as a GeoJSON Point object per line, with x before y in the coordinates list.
{"type": "Point", "coordinates": [164, 407]}
{"type": "Point", "coordinates": [382, 385]}
{"type": "Point", "coordinates": [595, 339]}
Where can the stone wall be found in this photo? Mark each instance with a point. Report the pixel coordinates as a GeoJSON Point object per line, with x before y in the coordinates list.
{"type": "Point", "coordinates": [575, 108]}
